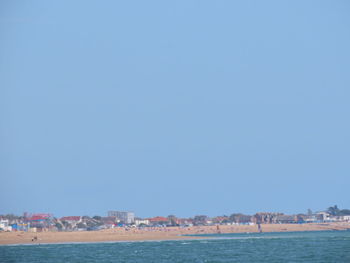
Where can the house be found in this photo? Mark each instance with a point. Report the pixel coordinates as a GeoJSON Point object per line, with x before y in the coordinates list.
{"type": "Point", "coordinates": [266, 217]}
{"type": "Point", "coordinates": [140, 221]}
{"type": "Point", "coordinates": [158, 220]}
{"type": "Point", "coordinates": [185, 221]}
{"type": "Point", "coordinates": [124, 217]}
{"type": "Point", "coordinates": [345, 218]}
{"type": "Point", "coordinates": [72, 220]}
{"type": "Point", "coordinates": [4, 225]}
{"type": "Point", "coordinates": [323, 216]}
{"type": "Point", "coordinates": [39, 221]}
{"type": "Point", "coordinates": [109, 221]}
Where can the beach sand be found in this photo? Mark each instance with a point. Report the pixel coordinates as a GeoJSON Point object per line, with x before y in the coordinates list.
{"type": "Point", "coordinates": [169, 233]}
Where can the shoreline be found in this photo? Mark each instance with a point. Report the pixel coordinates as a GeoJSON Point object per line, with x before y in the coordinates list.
{"type": "Point", "coordinates": [198, 237]}
{"type": "Point", "coordinates": [156, 234]}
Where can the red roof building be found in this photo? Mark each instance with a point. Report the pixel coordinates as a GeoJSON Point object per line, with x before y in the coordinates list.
{"type": "Point", "coordinates": [38, 217]}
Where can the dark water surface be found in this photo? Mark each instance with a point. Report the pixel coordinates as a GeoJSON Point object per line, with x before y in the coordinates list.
{"type": "Point", "coordinates": [329, 246]}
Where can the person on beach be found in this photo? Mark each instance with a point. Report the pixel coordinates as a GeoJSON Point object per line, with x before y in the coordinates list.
{"type": "Point", "coordinates": [259, 228]}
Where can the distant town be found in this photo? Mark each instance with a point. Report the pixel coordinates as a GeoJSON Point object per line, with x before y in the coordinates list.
{"type": "Point", "coordinates": [43, 222]}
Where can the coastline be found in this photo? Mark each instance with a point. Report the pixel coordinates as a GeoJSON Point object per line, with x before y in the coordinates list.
{"type": "Point", "coordinates": [156, 234]}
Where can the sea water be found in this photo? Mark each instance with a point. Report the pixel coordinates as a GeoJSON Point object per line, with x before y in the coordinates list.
{"type": "Point", "coordinates": [328, 246]}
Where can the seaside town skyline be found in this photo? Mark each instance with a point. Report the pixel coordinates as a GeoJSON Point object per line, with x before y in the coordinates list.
{"type": "Point", "coordinates": [48, 222]}
{"type": "Point", "coordinates": [149, 215]}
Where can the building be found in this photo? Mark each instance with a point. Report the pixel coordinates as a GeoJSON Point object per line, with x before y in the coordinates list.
{"type": "Point", "coordinates": [71, 222]}
{"type": "Point", "coordinates": [185, 221]}
{"type": "Point", "coordinates": [266, 217]}
{"type": "Point", "coordinates": [40, 222]}
{"type": "Point", "coordinates": [140, 221]}
{"type": "Point", "coordinates": [158, 221]}
{"type": "Point", "coordinates": [345, 218]}
{"type": "Point", "coordinates": [4, 225]}
{"type": "Point", "coordinates": [323, 216]}
{"type": "Point", "coordinates": [72, 219]}
{"type": "Point", "coordinates": [124, 217]}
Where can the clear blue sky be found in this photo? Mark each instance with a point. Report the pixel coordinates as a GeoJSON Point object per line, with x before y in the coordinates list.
{"type": "Point", "coordinates": [174, 107]}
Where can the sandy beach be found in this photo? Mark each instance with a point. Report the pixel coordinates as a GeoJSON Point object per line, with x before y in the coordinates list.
{"type": "Point", "coordinates": [169, 233]}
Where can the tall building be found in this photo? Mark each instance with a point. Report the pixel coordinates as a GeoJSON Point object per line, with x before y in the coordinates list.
{"type": "Point", "coordinates": [125, 217]}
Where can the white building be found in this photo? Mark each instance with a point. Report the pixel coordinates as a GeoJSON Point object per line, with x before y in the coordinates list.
{"type": "Point", "coordinates": [323, 216]}
{"type": "Point", "coordinates": [4, 225]}
{"type": "Point", "coordinates": [141, 222]}
{"type": "Point", "coordinates": [345, 218]}
{"type": "Point", "coordinates": [125, 217]}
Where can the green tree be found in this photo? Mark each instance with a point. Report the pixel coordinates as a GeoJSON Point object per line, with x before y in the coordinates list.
{"type": "Point", "coordinates": [344, 212]}
{"type": "Point", "coordinates": [333, 210]}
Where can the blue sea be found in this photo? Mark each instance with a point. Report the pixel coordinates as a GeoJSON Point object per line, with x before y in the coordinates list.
{"type": "Point", "coordinates": [328, 246]}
